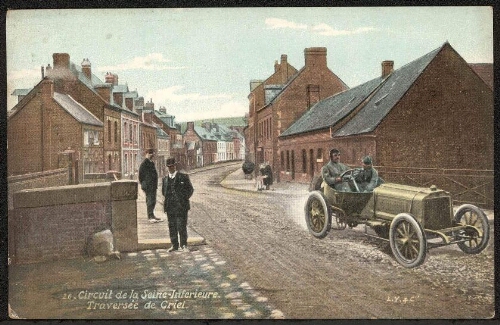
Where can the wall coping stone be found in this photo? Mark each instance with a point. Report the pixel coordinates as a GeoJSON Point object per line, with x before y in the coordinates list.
{"type": "Point", "coordinates": [60, 195]}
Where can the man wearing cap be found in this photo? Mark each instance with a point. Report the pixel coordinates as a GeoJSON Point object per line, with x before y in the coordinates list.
{"type": "Point", "coordinates": [368, 178]}
{"type": "Point", "coordinates": [333, 169]}
{"type": "Point", "coordinates": [177, 189]}
{"type": "Point", "coordinates": [148, 178]}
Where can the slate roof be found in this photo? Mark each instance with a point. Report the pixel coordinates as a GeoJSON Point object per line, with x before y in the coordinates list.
{"type": "Point", "coordinates": [120, 89]}
{"type": "Point", "coordinates": [162, 134]}
{"type": "Point", "coordinates": [204, 134]}
{"type": "Point", "coordinates": [21, 92]}
{"type": "Point", "coordinates": [385, 94]}
{"type": "Point", "coordinates": [331, 110]}
{"type": "Point", "coordinates": [75, 109]}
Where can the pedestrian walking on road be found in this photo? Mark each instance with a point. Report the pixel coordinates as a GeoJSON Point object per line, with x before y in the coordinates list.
{"type": "Point", "coordinates": [148, 178]}
{"type": "Point", "coordinates": [177, 189]}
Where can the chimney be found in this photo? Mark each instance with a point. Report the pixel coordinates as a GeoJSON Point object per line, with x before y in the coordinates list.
{"type": "Point", "coordinates": [61, 60]}
{"type": "Point", "coordinates": [115, 79]}
{"type": "Point", "coordinates": [276, 66]}
{"type": "Point", "coordinates": [109, 78]}
{"type": "Point", "coordinates": [104, 90]}
{"type": "Point", "coordinates": [190, 126]}
{"type": "Point", "coordinates": [387, 68]}
{"type": "Point", "coordinates": [43, 74]}
{"type": "Point", "coordinates": [163, 110]}
{"type": "Point", "coordinates": [86, 69]}
{"type": "Point", "coordinates": [284, 69]}
{"type": "Point", "coordinates": [315, 57]}
{"type": "Point", "coordinates": [47, 89]}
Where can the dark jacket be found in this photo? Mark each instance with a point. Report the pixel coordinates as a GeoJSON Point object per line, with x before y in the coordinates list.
{"type": "Point", "coordinates": [182, 191]}
{"type": "Point", "coordinates": [148, 176]}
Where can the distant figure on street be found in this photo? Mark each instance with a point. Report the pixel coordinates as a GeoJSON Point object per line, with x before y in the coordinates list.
{"type": "Point", "coordinates": [177, 189]}
{"type": "Point", "coordinates": [268, 175]}
{"type": "Point", "coordinates": [148, 178]}
{"type": "Point", "coordinates": [368, 178]}
{"type": "Point", "coordinates": [333, 169]}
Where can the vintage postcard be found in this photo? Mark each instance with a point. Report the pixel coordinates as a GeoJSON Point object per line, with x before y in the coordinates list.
{"type": "Point", "coordinates": [251, 163]}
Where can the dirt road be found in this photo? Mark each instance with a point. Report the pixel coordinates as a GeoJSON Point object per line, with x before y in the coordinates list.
{"type": "Point", "coordinates": [346, 274]}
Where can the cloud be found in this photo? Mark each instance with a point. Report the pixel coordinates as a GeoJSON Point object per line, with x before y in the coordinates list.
{"type": "Point", "coordinates": [321, 29]}
{"type": "Point", "coordinates": [327, 30]}
{"type": "Point", "coordinates": [25, 74]}
{"type": "Point", "coordinates": [277, 23]}
{"type": "Point", "coordinates": [152, 61]}
{"type": "Point", "coordinates": [173, 95]}
{"type": "Point", "coordinates": [208, 111]}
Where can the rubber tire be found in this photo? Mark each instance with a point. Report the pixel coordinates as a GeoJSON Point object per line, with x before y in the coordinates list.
{"type": "Point", "coordinates": [419, 232]}
{"type": "Point", "coordinates": [485, 224]}
{"type": "Point", "coordinates": [317, 196]}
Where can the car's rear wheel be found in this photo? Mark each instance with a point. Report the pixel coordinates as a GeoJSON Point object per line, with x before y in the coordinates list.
{"type": "Point", "coordinates": [318, 215]}
{"type": "Point", "coordinates": [476, 237]}
{"type": "Point", "coordinates": [407, 240]}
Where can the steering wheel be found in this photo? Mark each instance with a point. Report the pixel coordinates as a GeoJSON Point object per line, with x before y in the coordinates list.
{"type": "Point", "coordinates": [350, 176]}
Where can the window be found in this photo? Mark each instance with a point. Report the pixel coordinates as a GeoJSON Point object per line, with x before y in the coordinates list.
{"type": "Point", "coordinates": [109, 162]}
{"type": "Point", "coordinates": [304, 161]}
{"type": "Point", "coordinates": [287, 160]}
{"type": "Point", "coordinates": [282, 160]}
{"type": "Point", "coordinates": [319, 155]}
{"type": "Point", "coordinates": [131, 137]}
{"type": "Point", "coordinates": [91, 138]}
{"type": "Point", "coordinates": [116, 131]}
{"type": "Point", "coordinates": [109, 130]}
{"type": "Point", "coordinates": [125, 131]}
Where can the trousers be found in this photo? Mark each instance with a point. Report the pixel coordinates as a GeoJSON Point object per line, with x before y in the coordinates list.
{"type": "Point", "coordinates": [177, 228]}
{"type": "Point", "coordinates": [150, 203]}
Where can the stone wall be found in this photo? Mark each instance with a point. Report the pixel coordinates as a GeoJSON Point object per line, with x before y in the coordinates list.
{"type": "Point", "coordinates": [56, 177]}
{"type": "Point", "coordinates": [56, 222]}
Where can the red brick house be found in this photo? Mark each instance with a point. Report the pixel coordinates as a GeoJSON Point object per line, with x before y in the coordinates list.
{"type": "Point", "coordinates": [287, 99]}
{"type": "Point", "coordinates": [283, 71]}
{"type": "Point", "coordinates": [434, 112]}
{"type": "Point", "coordinates": [45, 125]}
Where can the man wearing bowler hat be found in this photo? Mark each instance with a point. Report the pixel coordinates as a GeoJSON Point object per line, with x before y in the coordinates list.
{"type": "Point", "coordinates": [177, 189]}
{"type": "Point", "coordinates": [148, 179]}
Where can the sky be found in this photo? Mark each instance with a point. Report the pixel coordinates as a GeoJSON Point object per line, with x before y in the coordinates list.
{"type": "Point", "coordinates": [198, 62]}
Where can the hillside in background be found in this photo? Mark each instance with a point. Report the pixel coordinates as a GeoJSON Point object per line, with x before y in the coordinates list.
{"type": "Point", "coordinates": [227, 121]}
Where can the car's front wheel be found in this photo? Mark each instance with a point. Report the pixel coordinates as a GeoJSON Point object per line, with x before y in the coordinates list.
{"type": "Point", "coordinates": [407, 240]}
{"type": "Point", "coordinates": [318, 215]}
{"type": "Point", "coordinates": [475, 236]}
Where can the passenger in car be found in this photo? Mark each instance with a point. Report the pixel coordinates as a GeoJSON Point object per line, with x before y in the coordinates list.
{"type": "Point", "coordinates": [333, 169]}
{"type": "Point", "coordinates": [368, 177]}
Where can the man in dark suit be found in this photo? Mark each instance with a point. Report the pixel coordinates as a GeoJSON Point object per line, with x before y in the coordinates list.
{"type": "Point", "coordinates": [148, 179]}
{"type": "Point", "coordinates": [177, 189]}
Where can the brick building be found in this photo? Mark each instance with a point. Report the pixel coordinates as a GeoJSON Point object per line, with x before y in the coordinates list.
{"type": "Point", "coordinates": [45, 126]}
{"type": "Point", "coordinates": [434, 112]}
{"type": "Point", "coordinates": [280, 100]}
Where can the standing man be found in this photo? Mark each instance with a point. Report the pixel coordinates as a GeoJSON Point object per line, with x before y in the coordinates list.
{"type": "Point", "coordinates": [177, 189]}
{"type": "Point", "coordinates": [148, 178]}
{"type": "Point", "coordinates": [333, 169]}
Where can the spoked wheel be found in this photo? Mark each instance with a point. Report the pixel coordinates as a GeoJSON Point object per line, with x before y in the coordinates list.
{"type": "Point", "coordinates": [318, 215]}
{"type": "Point", "coordinates": [478, 234]}
{"type": "Point", "coordinates": [407, 239]}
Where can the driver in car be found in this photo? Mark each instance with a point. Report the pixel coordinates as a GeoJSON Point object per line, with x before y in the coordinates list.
{"type": "Point", "coordinates": [367, 178]}
{"type": "Point", "coordinates": [333, 169]}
